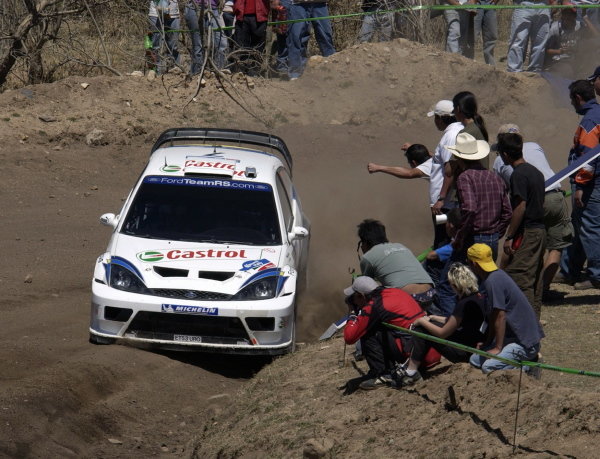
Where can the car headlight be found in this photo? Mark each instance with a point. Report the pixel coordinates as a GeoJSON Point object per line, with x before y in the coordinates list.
{"type": "Point", "coordinates": [262, 289]}
{"type": "Point", "coordinates": [123, 279]}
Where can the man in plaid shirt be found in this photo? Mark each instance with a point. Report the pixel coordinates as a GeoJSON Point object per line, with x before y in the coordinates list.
{"type": "Point", "coordinates": [483, 199]}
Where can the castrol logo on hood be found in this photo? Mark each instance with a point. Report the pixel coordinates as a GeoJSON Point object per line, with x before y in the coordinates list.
{"type": "Point", "coordinates": [153, 256]}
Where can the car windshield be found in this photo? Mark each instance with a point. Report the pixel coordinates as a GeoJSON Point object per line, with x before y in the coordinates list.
{"type": "Point", "coordinates": [204, 210]}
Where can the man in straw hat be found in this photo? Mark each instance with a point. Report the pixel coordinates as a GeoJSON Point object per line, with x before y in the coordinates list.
{"type": "Point", "coordinates": [482, 195]}
{"type": "Point", "coordinates": [513, 331]}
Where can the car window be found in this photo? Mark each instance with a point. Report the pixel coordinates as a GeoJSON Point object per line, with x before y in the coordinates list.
{"type": "Point", "coordinates": [286, 205]}
{"type": "Point", "coordinates": [204, 210]}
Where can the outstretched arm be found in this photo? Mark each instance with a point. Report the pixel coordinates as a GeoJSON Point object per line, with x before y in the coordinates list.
{"type": "Point", "coordinates": [396, 171]}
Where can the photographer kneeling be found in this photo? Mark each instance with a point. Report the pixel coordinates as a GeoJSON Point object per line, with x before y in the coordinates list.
{"type": "Point", "coordinates": [383, 348]}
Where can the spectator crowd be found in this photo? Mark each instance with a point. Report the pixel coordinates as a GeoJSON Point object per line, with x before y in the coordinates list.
{"type": "Point", "coordinates": [502, 234]}
{"type": "Point", "coordinates": [234, 33]}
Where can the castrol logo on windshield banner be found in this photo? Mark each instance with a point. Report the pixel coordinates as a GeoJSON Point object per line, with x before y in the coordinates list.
{"type": "Point", "coordinates": [227, 165]}
{"type": "Point", "coordinates": [153, 256]}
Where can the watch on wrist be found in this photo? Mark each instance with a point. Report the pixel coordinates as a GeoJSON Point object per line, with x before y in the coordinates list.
{"type": "Point", "coordinates": [441, 198]}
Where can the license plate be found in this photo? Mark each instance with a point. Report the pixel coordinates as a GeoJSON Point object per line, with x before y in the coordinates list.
{"type": "Point", "coordinates": [187, 338]}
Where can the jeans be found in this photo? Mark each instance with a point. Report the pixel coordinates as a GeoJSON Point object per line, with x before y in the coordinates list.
{"type": "Point", "coordinates": [513, 351]}
{"type": "Point", "coordinates": [163, 28]}
{"type": "Point", "coordinates": [457, 23]}
{"type": "Point", "coordinates": [219, 40]}
{"type": "Point", "coordinates": [453, 31]}
{"type": "Point", "coordinates": [528, 25]}
{"type": "Point", "coordinates": [299, 34]}
{"type": "Point", "coordinates": [586, 239]}
{"type": "Point", "coordinates": [486, 25]}
{"type": "Point", "coordinates": [381, 23]}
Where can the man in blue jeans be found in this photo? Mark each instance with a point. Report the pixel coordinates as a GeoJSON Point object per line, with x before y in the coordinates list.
{"type": "Point", "coordinates": [212, 20]}
{"type": "Point", "coordinates": [486, 25]}
{"type": "Point", "coordinates": [299, 34]}
{"type": "Point", "coordinates": [586, 192]}
{"type": "Point", "coordinates": [163, 16]}
{"type": "Point", "coordinates": [528, 24]}
{"type": "Point", "coordinates": [513, 330]}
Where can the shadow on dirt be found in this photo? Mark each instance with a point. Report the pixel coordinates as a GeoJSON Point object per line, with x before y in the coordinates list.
{"type": "Point", "coordinates": [230, 366]}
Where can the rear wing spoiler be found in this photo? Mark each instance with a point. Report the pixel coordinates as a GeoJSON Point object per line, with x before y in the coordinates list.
{"type": "Point", "coordinates": [229, 135]}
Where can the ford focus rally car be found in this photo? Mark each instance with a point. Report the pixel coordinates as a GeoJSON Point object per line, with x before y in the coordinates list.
{"type": "Point", "coordinates": [209, 250]}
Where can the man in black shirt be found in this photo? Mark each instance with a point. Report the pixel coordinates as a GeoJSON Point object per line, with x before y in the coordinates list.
{"type": "Point", "coordinates": [525, 241]}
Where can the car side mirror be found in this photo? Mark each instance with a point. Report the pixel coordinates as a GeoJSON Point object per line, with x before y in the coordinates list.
{"type": "Point", "coordinates": [298, 232]}
{"type": "Point", "coordinates": [109, 220]}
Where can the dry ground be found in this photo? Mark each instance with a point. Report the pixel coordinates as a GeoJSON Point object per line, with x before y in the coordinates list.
{"type": "Point", "coordinates": [62, 397]}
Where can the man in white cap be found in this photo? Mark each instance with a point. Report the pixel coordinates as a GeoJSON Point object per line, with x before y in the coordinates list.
{"type": "Point", "coordinates": [445, 121]}
{"type": "Point", "coordinates": [483, 200]}
{"type": "Point", "coordinates": [383, 347]}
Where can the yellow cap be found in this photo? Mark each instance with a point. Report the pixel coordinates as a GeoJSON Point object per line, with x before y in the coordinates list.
{"type": "Point", "coordinates": [482, 255]}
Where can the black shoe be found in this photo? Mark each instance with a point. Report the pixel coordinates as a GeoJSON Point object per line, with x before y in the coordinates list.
{"type": "Point", "coordinates": [376, 383]}
{"type": "Point", "coordinates": [552, 296]}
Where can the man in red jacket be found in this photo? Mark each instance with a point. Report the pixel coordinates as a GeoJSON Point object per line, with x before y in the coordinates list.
{"type": "Point", "coordinates": [251, 32]}
{"type": "Point", "coordinates": [382, 346]}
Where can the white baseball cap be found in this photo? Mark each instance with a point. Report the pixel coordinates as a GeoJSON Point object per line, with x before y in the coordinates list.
{"type": "Point", "coordinates": [442, 108]}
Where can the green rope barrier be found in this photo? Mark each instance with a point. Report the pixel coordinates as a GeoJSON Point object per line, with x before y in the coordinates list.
{"type": "Point", "coordinates": [472, 350]}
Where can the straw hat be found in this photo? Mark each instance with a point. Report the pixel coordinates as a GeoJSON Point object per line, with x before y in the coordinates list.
{"type": "Point", "coordinates": [467, 147]}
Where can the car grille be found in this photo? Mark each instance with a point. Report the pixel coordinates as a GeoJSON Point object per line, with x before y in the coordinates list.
{"type": "Point", "coordinates": [165, 326]}
{"type": "Point", "coordinates": [182, 294]}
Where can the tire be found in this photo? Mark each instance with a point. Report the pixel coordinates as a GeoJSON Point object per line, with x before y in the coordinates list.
{"type": "Point", "coordinates": [101, 340]}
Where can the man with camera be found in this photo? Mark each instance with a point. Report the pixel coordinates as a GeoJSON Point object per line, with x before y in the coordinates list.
{"type": "Point", "coordinates": [383, 348]}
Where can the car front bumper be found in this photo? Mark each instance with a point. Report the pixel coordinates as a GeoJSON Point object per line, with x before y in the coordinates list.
{"type": "Point", "coordinates": [261, 327]}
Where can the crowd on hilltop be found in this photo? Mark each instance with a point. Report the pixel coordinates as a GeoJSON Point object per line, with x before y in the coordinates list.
{"type": "Point", "coordinates": [552, 38]}
{"type": "Point", "coordinates": [507, 233]}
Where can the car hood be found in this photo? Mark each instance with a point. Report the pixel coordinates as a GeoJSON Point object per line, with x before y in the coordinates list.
{"type": "Point", "coordinates": [200, 266]}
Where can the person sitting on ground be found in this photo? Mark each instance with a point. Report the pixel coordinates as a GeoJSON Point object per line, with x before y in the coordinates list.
{"type": "Point", "coordinates": [437, 259]}
{"type": "Point", "coordinates": [392, 264]}
{"type": "Point", "coordinates": [513, 331]}
{"type": "Point", "coordinates": [418, 158]}
{"type": "Point", "coordinates": [462, 327]}
{"type": "Point", "coordinates": [383, 347]}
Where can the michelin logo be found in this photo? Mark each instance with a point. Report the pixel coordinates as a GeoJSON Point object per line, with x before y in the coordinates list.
{"type": "Point", "coordinates": [180, 309]}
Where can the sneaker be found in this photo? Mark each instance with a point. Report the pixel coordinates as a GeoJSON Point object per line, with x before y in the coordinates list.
{"type": "Point", "coordinates": [406, 381]}
{"type": "Point", "coordinates": [375, 383]}
{"type": "Point", "coordinates": [587, 285]}
{"type": "Point", "coordinates": [536, 372]}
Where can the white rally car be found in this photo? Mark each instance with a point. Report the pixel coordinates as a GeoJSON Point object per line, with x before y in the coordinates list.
{"type": "Point", "coordinates": [210, 249]}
